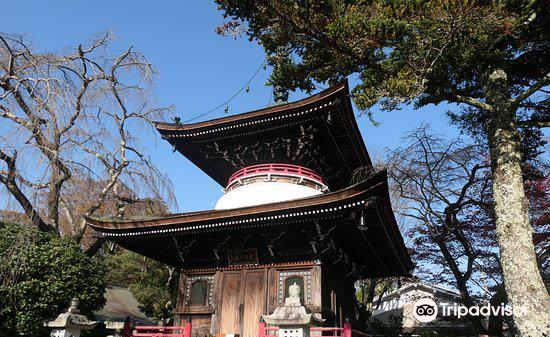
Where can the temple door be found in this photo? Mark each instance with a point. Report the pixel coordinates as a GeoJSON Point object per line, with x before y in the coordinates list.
{"type": "Point", "coordinates": [254, 301]}
{"type": "Point", "coordinates": [243, 301]}
{"type": "Point", "coordinates": [230, 302]}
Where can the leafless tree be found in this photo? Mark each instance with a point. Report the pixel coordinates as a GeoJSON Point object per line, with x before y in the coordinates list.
{"type": "Point", "coordinates": [75, 116]}
{"type": "Point", "coordinates": [443, 182]}
{"type": "Point", "coordinates": [444, 188]}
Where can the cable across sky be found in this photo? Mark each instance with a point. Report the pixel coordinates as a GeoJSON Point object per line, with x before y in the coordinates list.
{"type": "Point", "coordinates": [226, 102]}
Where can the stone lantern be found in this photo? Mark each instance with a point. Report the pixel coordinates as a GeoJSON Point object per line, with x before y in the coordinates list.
{"type": "Point", "coordinates": [70, 323]}
{"type": "Point", "coordinates": [292, 317]}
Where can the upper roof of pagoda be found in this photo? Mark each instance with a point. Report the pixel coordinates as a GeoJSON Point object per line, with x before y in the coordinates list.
{"type": "Point", "coordinates": [318, 132]}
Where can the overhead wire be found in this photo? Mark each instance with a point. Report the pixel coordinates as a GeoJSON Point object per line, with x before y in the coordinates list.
{"type": "Point", "coordinates": [226, 102]}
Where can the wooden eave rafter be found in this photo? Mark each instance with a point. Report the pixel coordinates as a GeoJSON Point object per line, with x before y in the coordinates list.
{"type": "Point", "coordinates": [285, 265]}
{"type": "Point", "coordinates": [305, 103]}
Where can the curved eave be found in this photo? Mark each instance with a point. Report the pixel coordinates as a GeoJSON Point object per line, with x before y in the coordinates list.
{"type": "Point", "coordinates": [329, 93]}
{"type": "Point", "coordinates": [371, 193]}
{"type": "Point", "coordinates": [338, 141]}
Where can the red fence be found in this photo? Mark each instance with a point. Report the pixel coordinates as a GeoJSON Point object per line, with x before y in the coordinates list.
{"type": "Point", "coordinates": [274, 169]}
{"type": "Point", "coordinates": [346, 331]}
{"type": "Point", "coordinates": [163, 331]}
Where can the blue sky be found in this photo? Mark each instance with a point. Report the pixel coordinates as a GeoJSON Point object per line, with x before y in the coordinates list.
{"type": "Point", "coordinates": [198, 70]}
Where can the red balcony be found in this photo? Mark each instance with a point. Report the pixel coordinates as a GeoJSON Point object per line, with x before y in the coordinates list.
{"type": "Point", "coordinates": [282, 169]}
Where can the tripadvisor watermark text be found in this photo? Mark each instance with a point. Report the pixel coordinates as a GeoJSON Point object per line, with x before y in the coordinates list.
{"type": "Point", "coordinates": [461, 310]}
{"type": "Point", "coordinates": [426, 309]}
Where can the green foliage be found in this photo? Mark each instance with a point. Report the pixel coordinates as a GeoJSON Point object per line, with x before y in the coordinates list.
{"type": "Point", "coordinates": [39, 275]}
{"type": "Point", "coordinates": [392, 328]}
{"type": "Point", "coordinates": [428, 333]}
{"type": "Point", "coordinates": [369, 293]}
{"type": "Point", "coordinates": [403, 51]}
{"type": "Point", "coordinates": [153, 284]}
{"type": "Point", "coordinates": [474, 123]}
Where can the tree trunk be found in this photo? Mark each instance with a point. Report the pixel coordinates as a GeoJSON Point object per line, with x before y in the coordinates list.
{"type": "Point", "coordinates": [95, 246]}
{"type": "Point", "coordinates": [53, 196]}
{"type": "Point", "coordinates": [11, 185]}
{"type": "Point", "coordinates": [494, 326]}
{"type": "Point", "coordinates": [461, 285]}
{"type": "Point", "coordinates": [522, 279]}
{"type": "Point", "coordinates": [29, 210]}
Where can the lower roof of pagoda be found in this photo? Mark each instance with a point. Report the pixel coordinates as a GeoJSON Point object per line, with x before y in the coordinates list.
{"type": "Point", "coordinates": [318, 132]}
{"type": "Point", "coordinates": [330, 221]}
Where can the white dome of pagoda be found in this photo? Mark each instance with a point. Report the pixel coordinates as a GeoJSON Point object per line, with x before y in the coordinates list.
{"type": "Point", "coordinates": [269, 183]}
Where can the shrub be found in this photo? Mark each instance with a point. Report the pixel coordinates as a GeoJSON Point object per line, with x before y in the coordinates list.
{"type": "Point", "coordinates": [153, 284]}
{"type": "Point", "coordinates": [39, 275]}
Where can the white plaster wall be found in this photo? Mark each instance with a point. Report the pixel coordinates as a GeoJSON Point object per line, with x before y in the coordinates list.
{"type": "Point", "coordinates": [264, 193]}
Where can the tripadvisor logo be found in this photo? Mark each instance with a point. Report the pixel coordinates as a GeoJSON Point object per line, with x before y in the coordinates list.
{"type": "Point", "coordinates": [425, 310]}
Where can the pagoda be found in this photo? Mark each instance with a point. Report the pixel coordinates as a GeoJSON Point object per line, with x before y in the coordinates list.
{"type": "Point", "coordinates": [293, 212]}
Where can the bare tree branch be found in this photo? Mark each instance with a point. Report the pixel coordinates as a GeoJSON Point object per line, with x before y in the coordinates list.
{"type": "Point", "coordinates": [531, 90]}
{"type": "Point", "coordinates": [76, 114]}
{"type": "Point", "coordinates": [9, 181]}
{"type": "Point", "coordinates": [473, 102]}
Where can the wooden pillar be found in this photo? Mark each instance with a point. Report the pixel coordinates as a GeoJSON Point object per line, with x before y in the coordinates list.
{"type": "Point", "coordinates": [217, 285]}
{"type": "Point", "coordinates": [316, 286]}
{"type": "Point", "coordinates": [180, 302]}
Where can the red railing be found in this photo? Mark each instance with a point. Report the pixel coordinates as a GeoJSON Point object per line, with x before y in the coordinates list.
{"type": "Point", "coordinates": [345, 331]}
{"type": "Point", "coordinates": [163, 331]}
{"type": "Point", "coordinates": [289, 169]}
{"type": "Point", "coordinates": [359, 333]}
